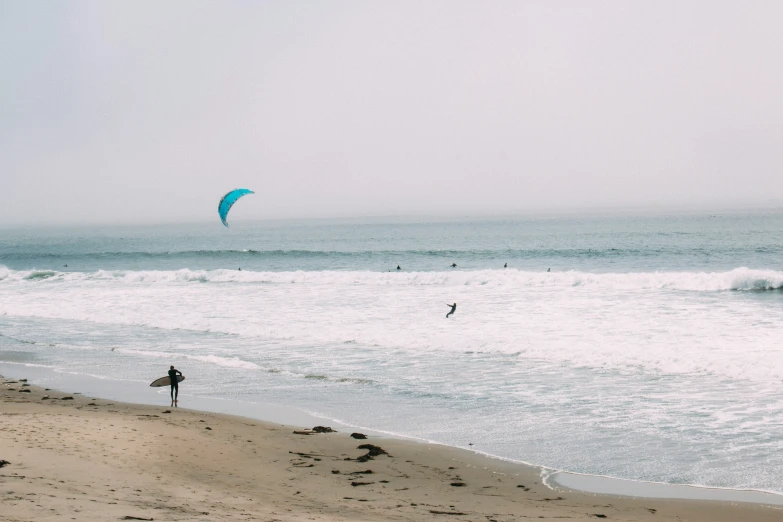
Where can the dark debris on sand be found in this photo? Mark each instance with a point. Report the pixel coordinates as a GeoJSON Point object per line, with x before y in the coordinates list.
{"type": "Point", "coordinates": [372, 451]}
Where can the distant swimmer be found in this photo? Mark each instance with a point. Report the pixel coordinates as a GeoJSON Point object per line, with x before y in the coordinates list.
{"type": "Point", "coordinates": [548, 269]}
{"type": "Point", "coordinates": [453, 309]}
{"type": "Point", "coordinates": [240, 268]}
{"type": "Point", "coordinates": [174, 384]}
{"type": "Point", "coordinates": [453, 265]}
{"type": "Point", "coordinates": [398, 267]}
{"type": "Point", "coordinates": [505, 265]}
{"type": "Point", "coordinates": [66, 266]}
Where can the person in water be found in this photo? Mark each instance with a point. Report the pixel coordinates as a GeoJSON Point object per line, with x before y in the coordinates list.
{"type": "Point", "coordinates": [453, 265]}
{"type": "Point", "coordinates": [453, 309]}
{"type": "Point", "coordinates": [505, 265]}
{"type": "Point", "coordinates": [173, 372]}
{"type": "Point", "coordinates": [398, 267]}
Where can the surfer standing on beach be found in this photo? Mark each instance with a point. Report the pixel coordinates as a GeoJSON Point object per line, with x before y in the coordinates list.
{"type": "Point", "coordinates": [453, 309]}
{"type": "Point", "coordinates": [174, 384]}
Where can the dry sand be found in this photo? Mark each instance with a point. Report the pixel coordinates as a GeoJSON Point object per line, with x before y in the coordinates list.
{"type": "Point", "coordinates": [90, 459]}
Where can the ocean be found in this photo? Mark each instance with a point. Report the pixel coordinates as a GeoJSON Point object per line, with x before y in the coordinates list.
{"type": "Point", "coordinates": [644, 347]}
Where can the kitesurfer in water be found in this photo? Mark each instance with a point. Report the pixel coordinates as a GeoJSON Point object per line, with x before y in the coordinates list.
{"type": "Point", "coordinates": [174, 384]}
{"type": "Point", "coordinates": [453, 309]}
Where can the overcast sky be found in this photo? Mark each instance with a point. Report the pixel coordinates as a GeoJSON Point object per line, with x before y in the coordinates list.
{"type": "Point", "coordinates": [151, 111]}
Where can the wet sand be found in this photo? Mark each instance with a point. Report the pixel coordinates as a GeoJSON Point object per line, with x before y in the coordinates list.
{"type": "Point", "coordinates": [92, 459]}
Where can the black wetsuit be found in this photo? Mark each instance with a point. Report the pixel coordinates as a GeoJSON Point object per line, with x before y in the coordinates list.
{"type": "Point", "coordinates": [174, 383]}
{"type": "Point", "coordinates": [453, 309]}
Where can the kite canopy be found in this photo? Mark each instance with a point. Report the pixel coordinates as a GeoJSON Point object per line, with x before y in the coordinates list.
{"type": "Point", "coordinates": [228, 201]}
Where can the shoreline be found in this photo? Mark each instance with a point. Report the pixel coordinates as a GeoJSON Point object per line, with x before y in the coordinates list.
{"type": "Point", "coordinates": [532, 473]}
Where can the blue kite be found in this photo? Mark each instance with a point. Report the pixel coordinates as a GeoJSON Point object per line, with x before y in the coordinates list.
{"type": "Point", "coordinates": [228, 201]}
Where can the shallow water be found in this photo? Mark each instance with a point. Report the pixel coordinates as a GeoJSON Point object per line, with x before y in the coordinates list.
{"type": "Point", "coordinates": [651, 351]}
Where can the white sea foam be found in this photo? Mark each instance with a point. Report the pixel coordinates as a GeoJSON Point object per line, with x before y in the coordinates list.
{"type": "Point", "coordinates": [661, 323]}
{"type": "Point", "coordinates": [744, 279]}
{"type": "Point", "coordinates": [227, 362]}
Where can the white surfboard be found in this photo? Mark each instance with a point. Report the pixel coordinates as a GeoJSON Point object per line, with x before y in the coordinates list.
{"type": "Point", "coordinates": [166, 381]}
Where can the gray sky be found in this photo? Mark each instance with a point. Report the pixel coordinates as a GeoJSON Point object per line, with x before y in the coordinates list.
{"type": "Point", "coordinates": [147, 110]}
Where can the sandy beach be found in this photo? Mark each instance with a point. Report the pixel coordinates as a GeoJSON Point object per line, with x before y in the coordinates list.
{"type": "Point", "coordinates": [71, 457]}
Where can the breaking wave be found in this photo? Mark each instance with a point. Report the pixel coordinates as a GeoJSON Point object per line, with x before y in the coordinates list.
{"type": "Point", "coordinates": [228, 362]}
{"type": "Point", "coordinates": [740, 279]}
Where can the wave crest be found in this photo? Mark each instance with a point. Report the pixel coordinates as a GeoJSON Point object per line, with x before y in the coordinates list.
{"type": "Point", "coordinates": [740, 279]}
